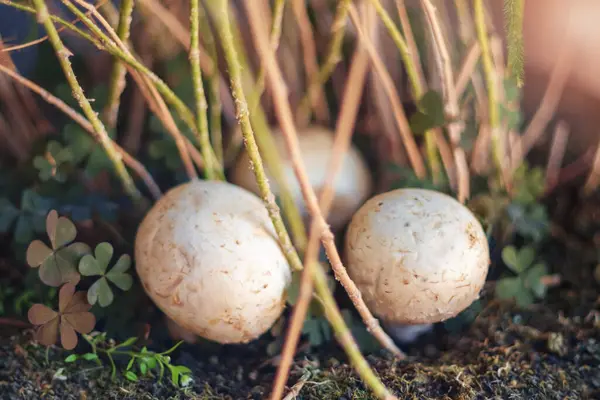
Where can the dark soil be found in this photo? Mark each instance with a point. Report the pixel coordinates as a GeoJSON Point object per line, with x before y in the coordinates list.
{"type": "Point", "coordinates": [505, 354]}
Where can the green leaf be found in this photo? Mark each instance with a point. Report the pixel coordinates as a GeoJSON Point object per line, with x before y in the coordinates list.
{"type": "Point", "coordinates": [509, 288]}
{"type": "Point", "coordinates": [89, 266]}
{"type": "Point", "coordinates": [37, 253]}
{"type": "Point", "coordinates": [104, 252]}
{"type": "Point", "coordinates": [71, 358]}
{"type": "Point", "coordinates": [130, 363]}
{"type": "Point", "coordinates": [524, 298]}
{"type": "Point", "coordinates": [526, 257]}
{"type": "Point", "coordinates": [420, 123]}
{"type": "Point", "coordinates": [534, 282]}
{"type": "Point", "coordinates": [100, 292]}
{"type": "Point", "coordinates": [143, 368]}
{"type": "Point", "coordinates": [55, 271]}
{"type": "Point", "coordinates": [131, 376]}
{"type": "Point", "coordinates": [8, 213]}
{"type": "Point", "coordinates": [74, 252]}
{"type": "Point", "coordinates": [511, 259]}
{"type": "Point", "coordinates": [122, 280]}
{"type": "Point", "coordinates": [90, 356]}
{"type": "Point", "coordinates": [64, 233]}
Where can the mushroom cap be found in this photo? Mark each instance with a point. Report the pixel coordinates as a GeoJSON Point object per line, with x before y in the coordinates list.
{"type": "Point", "coordinates": [208, 256]}
{"type": "Point", "coordinates": [352, 186]}
{"type": "Point", "coordinates": [417, 256]}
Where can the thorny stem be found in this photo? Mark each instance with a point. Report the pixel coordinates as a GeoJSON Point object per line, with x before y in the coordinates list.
{"type": "Point", "coordinates": [332, 59]}
{"type": "Point", "coordinates": [490, 77]}
{"type": "Point", "coordinates": [415, 82]}
{"type": "Point", "coordinates": [259, 89]}
{"type": "Point", "coordinates": [117, 78]}
{"type": "Point", "coordinates": [130, 161]}
{"type": "Point", "coordinates": [211, 165]}
{"type": "Point", "coordinates": [214, 97]}
{"type": "Point", "coordinates": [63, 55]}
{"type": "Point", "coordinates": [235, 72]}
{"type": "Point", "coordinates": [285, 117]}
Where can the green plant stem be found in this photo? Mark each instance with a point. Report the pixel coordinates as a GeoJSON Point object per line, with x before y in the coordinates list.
{"type": "Point", "coordinates": [490, 78]}
{"type": "Point", "coordinates": [514, 11]}
{"type": "Point", "coordinates": [186, 115]}
{"type": "Point", "coordinates": [211, 165]}
{"type": "Point", "coordinates": [117, 78]}
{"type": "Point", "coordinates": [259, 89]}
{"type": "Point", "coordinates": [415, 83]}
{"type": "Point", "coordinates": [63, 57]}
{"type": "Point", "coordinates": [266, 143]}
{"type": "Point", "coordinates": [334, 56]}
{"type": "Point", "coordinates": [243, 116]}
{"type": "Point", "coordinates": [214, 96]}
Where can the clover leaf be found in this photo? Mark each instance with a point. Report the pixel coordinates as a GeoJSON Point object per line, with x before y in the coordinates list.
{"type": "Point", "coordinates": [28, 220]}
{"type": "Point", "coordinates": [72, 316]}
{"type": "Point", "coordinates": [53, 163]}
{"type": "Point", "coordinates": [96, 265]}
{"type": "Point", "coordinates": [518, 261]}
{"type": "Point", "coordinates": [58, 264]}
{"type": "Point", "coordinates": [85, 148]}
{"type": "Point", "coordinates": [430, 114]}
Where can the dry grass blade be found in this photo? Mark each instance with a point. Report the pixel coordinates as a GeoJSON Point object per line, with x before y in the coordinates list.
{"type": "Point", "coordinates": [557, 152]}
{"type": "Point", "coordinates": [129, 160]}
{"type": "Point", "coordinates": [593, 180]}
{"type": "Point", "coordinates": [456, 126]}
{"type": "Point", "coordinates": [465, 74]}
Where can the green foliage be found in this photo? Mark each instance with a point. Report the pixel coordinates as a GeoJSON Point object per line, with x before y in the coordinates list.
{"type": "Point", "coordinates": [57, 264]}
{"type": "Point", "coordinates": [509, 111]}
{"type": "Point", "coordinates": [96, 265]}
{"type": "Point", "coordinates": [5, 293]}
{"type": "Point", "coordinates": [406, 178]}
{"type": "Point", "coordinates": [86, 150]}
{"type": "Point", "coordinates": [527, 285]}
{"type": "Point", "coordinates": [430, 113]}
{"type": "Point", "coordinates": [54, 164]}
{"type": "Point", "coordinates": [513, 20]}
{"type": "Point", "coordinates": [142, 363]}
{"type": "Point", "coordinates": [28, 220]}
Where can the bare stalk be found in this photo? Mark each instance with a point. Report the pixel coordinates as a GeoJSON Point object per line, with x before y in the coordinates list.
{"type": "Point", "coordinates": [514, 11]}
{"type": "Point", "coordinates": [408, 140]}
{"type": "Point", "coordinates": [212, 166]}
{"type": "Point", "coordinates": [415, 82]}
{"type": "Point", "coordinates": [117, 77]}
{"type": "Point", "coordinates": [63, 55]}
{"type": "Point", "coordinates": [593, 179]}
{"type": "Point", "coordinates": [318, 100]}
{"type": "Point", "coordinates": [285, 118]}
{"type": "Point", "coordinates": [456, 126]}
{"type": "Point", "coordinates": [333, 57]}
{"type": "Point", "coordinates": [224, 30]}
{"type": "Point", "coordinates": [557, 152]}
{"type": "Point", "coordinates": [491, 81]}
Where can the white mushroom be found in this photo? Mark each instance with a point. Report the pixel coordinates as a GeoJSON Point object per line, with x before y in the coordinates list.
{"type": "Point", "coordinates": [418, 256]}
{"type": "Point", "coordinates": [353, 183]}
{"type": "Point", "coordinates": [208, 256]}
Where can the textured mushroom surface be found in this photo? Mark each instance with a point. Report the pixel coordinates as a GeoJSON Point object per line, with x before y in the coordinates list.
{"type": "Point", "coordinates": [208, 256]}
{"type": "Point", "coordinates": [418, 256]}
{"type": "Point", "coordinates": [352, 186]}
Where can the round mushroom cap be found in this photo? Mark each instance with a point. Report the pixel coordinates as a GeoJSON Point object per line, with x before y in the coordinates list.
{"type": "Point", "coordinates": [418, 256]}
{"type": "Point", "coordinates": [208, 256]}
{"type": "Point", "coordinates": [352, 186]}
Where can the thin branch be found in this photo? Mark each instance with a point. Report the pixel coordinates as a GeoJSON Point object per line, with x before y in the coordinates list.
{"type": "Point", "coordinates": [346, 121]}
{"type": "Point", "coordinates": [117, 78]}
{"type": "Point", "coordinates": [212, 169]}
{"type": "Point", "coordinates": [491, 80]}
{"type": "Point", "coordinates": [514, 11]}
{"type": "Point", "coordinates": [593, 179]}
{"type": "Point", "coordinates": [285, 118]}
{"type": "Point", "coordinates": [333, 57]}
{"type": "Point", "coordinates": [415, 82]}
{"type": "Point", "coordinates": [410, 41]}
{"type": "Point", "coordinates": [388, 85]}
{"type": "Point", "coordinates": [102, 136]}
{"type": "Point", "coordinates": [466, 70]}
{"type": "Point", "coordinates": [317, 95]}
{"type": "Point", "coordinates": [129, 160]}
{"type": "Point", "coordinates": [557, 152]}
{"type": "Point", "coordinates": [235, 73]}
{"type": "Point", "coordinates": [455, 127]}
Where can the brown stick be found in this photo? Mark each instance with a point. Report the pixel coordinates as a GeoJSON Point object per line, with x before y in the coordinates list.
{"type": "Point", "coordinates": [388, 85]}
{"type": "Point", "coordinates": [557, 152]}
{"type": "Point", "coordinates": [286, 121]}
{"type": "Point", "coordinates": [129, 160]}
